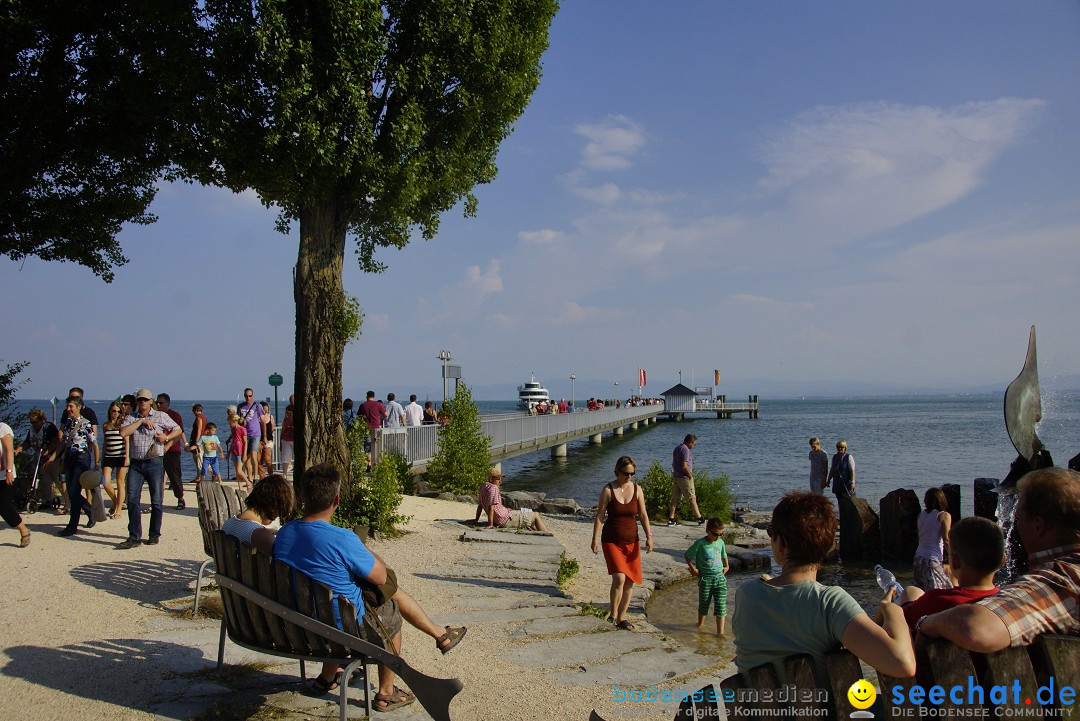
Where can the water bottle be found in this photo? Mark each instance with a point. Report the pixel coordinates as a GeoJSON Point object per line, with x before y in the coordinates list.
{"type": "Point", "coordinates": [886, 579]}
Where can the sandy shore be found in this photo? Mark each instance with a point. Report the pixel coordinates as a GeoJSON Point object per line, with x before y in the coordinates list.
{"type": "Point", "coordinates": [82, 620]}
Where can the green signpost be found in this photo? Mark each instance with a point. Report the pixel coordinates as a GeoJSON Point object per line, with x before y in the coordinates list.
{"type": "Point", "coordinates": [275, 381]}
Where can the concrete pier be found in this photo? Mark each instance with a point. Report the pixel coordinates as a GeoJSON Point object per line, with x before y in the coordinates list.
{"type": "Point", "coordinates": [595, 439]}
{"type": "Point", "coordinates": [558, 451]}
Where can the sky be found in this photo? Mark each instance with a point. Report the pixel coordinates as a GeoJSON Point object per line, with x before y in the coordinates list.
{"type": "Point", "coordinates": [807, 194]}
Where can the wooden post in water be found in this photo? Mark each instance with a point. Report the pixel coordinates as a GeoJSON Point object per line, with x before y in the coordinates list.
{"type": "Point", "coordinates": [952, 494]}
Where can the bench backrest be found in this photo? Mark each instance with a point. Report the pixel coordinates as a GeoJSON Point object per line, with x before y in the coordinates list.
{"type": "Point", "coordinates": [248, 624]}
{"type": "Point", "coordinates": [217, 502]}
{"type": "Point", "coordinates": [941, 663]}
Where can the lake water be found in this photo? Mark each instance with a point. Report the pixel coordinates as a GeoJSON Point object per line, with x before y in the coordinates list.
{"type": "Point", "coordinates": [897, 442]}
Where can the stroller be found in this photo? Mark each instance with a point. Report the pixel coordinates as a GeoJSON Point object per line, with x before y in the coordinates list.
{"type": "Point", "coordinates": [25, 498]}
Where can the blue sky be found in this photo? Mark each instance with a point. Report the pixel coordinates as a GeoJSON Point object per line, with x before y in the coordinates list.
{"type": "Point", "coordinates": [805, 193]}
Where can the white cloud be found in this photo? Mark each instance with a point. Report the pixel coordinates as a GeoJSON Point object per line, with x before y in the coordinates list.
{"type": "Point", "coordinates": [464, 299]}
{"type": "Point", "coordinates": [606, 194]}
{"type": "Point", "coordinates": [376, 322]}
{"type": "Point", "coordinates": [571, 313]}
{"type": "Point", "coordinates": [541, 237]}
{"type": "Point", "coordinates": [858, 169]}
{"type": "Point", "coordinates": [611, 143]}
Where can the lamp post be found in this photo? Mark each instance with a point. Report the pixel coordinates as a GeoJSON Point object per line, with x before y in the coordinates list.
{"type": "Point", "coordinates": [445, 357]}
{"type": "Point", "coordinates": [573, 377]}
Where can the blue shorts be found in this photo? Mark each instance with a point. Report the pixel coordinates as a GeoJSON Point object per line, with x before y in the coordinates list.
{"type": "Point", "coordinates": [209, 463]}
{"type": "Point", "coordinates": [253, 443]}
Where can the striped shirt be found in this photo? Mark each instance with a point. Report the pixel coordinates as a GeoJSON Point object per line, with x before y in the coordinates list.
{"type": "Point", "coordinates": [143, 438]}
{"type": "Point", "coordinates": [1046, 599]}
{"type": "Point", "coordinates": [114, 443]}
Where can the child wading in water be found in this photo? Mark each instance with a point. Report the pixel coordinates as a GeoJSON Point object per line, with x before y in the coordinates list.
{"type": "Point", "coordinates": [707, 559]}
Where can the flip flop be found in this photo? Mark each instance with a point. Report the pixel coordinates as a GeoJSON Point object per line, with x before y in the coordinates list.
{"type": "Point", "coordinates": [25, 541]}
{"type": "Point", "coordinates": [395, 700]}
{"type": "Point", "coordinates": [625, 625]}
{"type": "Point", "coordinates": [453, 635]}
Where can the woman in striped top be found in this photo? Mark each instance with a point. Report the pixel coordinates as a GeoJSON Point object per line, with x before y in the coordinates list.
{"type": "Point", "coordinates": [115, 459]}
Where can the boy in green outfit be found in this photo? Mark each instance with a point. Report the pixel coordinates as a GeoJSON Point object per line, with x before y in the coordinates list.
{"type": "Point", "coordinates": [707, 559]}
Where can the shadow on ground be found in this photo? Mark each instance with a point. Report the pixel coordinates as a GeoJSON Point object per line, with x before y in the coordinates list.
{"type": "Point", "coordinates": [148, 582]}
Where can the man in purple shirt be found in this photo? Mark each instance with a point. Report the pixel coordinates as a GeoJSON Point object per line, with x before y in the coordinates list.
{"type": "Point", "coordinates": [251, 416]}
{"type": "Point", "coordinates": [682, 469]}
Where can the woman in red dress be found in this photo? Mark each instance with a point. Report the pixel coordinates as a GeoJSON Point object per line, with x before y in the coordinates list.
{"type": "Point", "coordinates": [624, 503]}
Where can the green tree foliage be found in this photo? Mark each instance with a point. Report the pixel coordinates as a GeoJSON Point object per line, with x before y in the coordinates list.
{"type": "Point", "coordinates": [9, 386]}
{"type": "Point", "coordinates": [463, 459]}
{"type": "Point", "coordinates": [91, 107]}
{"type": "Point", "coordinates": [714, 496]}
{"type": "Point", "coordinates": [352, 117]}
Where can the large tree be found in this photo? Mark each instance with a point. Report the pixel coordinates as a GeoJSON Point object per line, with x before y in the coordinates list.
{"type": "Point", "coordinates": [354, 118]}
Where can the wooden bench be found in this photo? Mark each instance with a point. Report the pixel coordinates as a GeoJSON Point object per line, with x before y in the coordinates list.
{"type": "Point", "coordinates": [274, 609]}
{"type": "Point", "coordinates": [217, 503]}
{"type": "Point", "coordinates": [812, 692]}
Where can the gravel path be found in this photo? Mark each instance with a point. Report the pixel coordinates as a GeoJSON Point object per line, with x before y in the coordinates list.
{"type": "Point", "coordinates": [91, 632]}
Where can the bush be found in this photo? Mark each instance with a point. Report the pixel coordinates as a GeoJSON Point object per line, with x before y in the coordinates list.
{"type": "Point", "coordinates": [714, 496]}
{"type": "Point", "coordinates": [370, 500]}
{"type": "Point", "coordinates": [463, 460]}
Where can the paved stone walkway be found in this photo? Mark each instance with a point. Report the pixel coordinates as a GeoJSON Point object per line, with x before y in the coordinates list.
{"type": "Point", "coordinates": [505, 584]}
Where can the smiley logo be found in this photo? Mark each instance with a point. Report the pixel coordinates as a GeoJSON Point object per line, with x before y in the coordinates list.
{"type": "Point", "coordinates": [862, 694]}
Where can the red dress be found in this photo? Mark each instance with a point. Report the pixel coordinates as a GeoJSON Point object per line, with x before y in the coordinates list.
{"type": "Point", "coordinates": [619, 537]}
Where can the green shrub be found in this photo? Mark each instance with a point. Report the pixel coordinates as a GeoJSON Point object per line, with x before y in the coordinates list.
{"type": "Point", "coordinates": [463, 460]}
{"type": "Point", "coordinates": [568, 568]}
{"type": "Point", "coordinates": [370, 499]}
{"type": "Point", "coordinates": [714, 495]}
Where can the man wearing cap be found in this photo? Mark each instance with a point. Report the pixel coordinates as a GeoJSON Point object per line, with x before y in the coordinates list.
{"type": "Point", "coordinates": [490, 502]}
{"type": "Point", "coordinates": [149, 431]}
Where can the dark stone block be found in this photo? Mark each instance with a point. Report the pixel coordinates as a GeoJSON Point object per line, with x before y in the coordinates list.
{"type": "Point", "coordinates": [899, 526]}
{"type": "Point", "coordinates": [952, 494]}
{"type": "Point", "coordinates": [986, 498]}
{"type": "Point", "coordinates": [860, 534]}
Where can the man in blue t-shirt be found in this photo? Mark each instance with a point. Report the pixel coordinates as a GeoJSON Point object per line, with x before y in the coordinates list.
{"type": "Point", "coordinates": [336, 557]}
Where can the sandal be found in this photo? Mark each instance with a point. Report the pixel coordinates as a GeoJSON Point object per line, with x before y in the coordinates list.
{"type": "Point", "coordinates": [26, 542]}
{"type": "Point", "coordinates": [625, 625]}
{"type": "Point", "coordinates": [320, 686]}
{"type": "Point", "coordinates": [395, 700]}
{"type": "Point", "coordinates": [453, 635]}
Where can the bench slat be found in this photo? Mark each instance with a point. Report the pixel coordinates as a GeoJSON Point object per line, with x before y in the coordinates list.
{"type": "Point", "coordinates": [324, 605]}
{"type": "Point", "coordinates": [950, 666]}
{"type": "Point", "coordinates": [283, 584]}
{"type": "Point", "coordinates": [887, 682]}
{"type": "Point", "coordinates": [1006, 667]}
{"type": "Point", "coordinates": [229, 601]}
{"type": "Point", "coordinates": [303, 590]}
{"type": "Point", "coordinates": [231, 558]}
{"type": "Point", "coordinates": [761, 678]}
{"type": "Point", "coordinates": [1057, 657]}
{"type": "Point", "coordinates": [801, 672]}
{"type": "Point", "coordinates": [264, 566]}
{"type": "Point", "coordinates": [249, 575]}
{"type": "Point", "coordinates": [843, 669]}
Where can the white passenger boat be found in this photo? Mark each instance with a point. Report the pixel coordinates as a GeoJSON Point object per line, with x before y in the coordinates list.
{"type": "Point", "coordinates": [531, 393]}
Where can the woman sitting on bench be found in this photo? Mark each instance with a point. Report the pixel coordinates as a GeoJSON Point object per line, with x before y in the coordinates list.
{"type": "Point", "coordinates": [793, 613]}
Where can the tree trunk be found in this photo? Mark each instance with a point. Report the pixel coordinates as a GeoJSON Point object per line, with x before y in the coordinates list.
{"type": "Point", "coordinates": [319, 296]}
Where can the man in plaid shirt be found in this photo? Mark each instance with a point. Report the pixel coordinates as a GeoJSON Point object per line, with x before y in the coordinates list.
{"type": "Point", "coordinates": [148, 430]}
{"type": "Point", "coordinates": [1046, 598]}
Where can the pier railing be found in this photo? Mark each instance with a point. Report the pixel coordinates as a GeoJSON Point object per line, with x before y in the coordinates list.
{"type": "Point", "coordinates": [511, 434]}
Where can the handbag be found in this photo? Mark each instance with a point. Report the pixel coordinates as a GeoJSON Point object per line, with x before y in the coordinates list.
{"type": "Point", "coordinates": [376, 595]}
